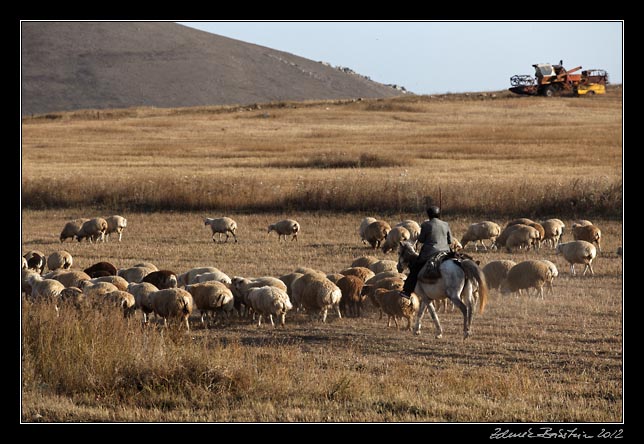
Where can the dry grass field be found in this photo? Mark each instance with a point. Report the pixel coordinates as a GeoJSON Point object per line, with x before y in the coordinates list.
{"type": "Point", "coordinates": [327, 165]}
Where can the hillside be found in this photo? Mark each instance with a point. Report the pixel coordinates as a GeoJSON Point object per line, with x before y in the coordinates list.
{"type": "Point", "coordinates": [79, 65]}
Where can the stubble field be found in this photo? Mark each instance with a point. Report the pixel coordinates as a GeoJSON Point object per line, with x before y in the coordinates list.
{"type": "Point", "coordinates": [327, 165]}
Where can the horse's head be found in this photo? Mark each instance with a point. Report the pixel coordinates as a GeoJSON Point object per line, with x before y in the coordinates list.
{"type": "Point", "coordinates": [406, 253]}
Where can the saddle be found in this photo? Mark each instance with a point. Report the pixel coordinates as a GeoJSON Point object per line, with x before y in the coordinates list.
{"type": "Point", "coordinates": [431, 270]}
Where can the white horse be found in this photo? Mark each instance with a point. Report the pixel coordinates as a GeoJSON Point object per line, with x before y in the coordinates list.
{"type": "Point", "coordinates": [459, 282]}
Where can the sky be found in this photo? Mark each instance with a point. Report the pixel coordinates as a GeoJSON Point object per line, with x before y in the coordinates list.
{"type": "Point", "coordinates": [440, 57]}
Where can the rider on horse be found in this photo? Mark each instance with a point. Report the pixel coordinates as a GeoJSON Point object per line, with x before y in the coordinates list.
{"type": "Point", "coordinates": [436, 236]}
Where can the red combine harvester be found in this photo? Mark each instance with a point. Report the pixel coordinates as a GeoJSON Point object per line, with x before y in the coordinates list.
{"type": "Point", "coordinates": [555, 80]}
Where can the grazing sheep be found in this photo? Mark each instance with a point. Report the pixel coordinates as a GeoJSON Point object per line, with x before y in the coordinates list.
{"type": "Point", "coordinates": [363, 227]}
{"type": "Point", "coordinates": [578, 252]}
{"type": "Point", "coordinates": [522, 220]}
{"type": "Point", "coordinates": [115, 224]}
{"type": "Point", "coordinates": [581, 223]}
{"type": "Point", "coordinates": [395, 236]}
{"type": "Point", "coordinates": [361, 272]}
{"type": "Point", "coordinates": [215, 276]}
{"type": "Point", "coordinates": [101, 269]}
{"type": "Point", "coordinates": [162, 279]}
{"type": "Point", "coordinates": [352, 298]}
{"type": "Point", "coordinates": [413, 227]}
{"type": "Point", "coordinates": [522, 236]}
{"type": "Point", "coordinates": [288, 280]}
{"type": "Point", "coordinates": [387, 283]}
{"type": "Point", "coordinates": [525, 275]}
{"type": "Point", "coordinates": [496, 271]}
{"type": "Point", "coordinates": [46, 290]}
{"type": "Point", "coordinates": [93, 229]}
{"type": "Point", "coordinates": [553, 230]}
{"type": "Point", "coordinates": [149, 265]}
{"type": "Point", "coordinates": [386, 274]}
{"type": "Point", "coordinates": [540, 230]}
{"type": "Point", "coordinates": [134, 274]}
{"type": "Point", "coordinates": [308, 270]}
{"type": "Point", "coordinates": [588, 233]}
{"type": "Point", "coordinates": [73, 297]}
{"type": "Point", "coordinates": [188, 277]}
{"type": "Point", "coordinates": [364, 261]}
{"type": "Point", "coordinates": [240, 287]}
{"type": "Point", "coordinates": [174, 304]}
{"type": "Point", "coordinates": [69, 278]}
{"type": "Point", "coordinates": [478, 232]}
{"type": "Point", "coordinates": [376, 232]}
{"type": "Point", "coordinates": [25, 274]}
{"type": "Point", "coordinates": [121, 299]}
{"type": "Point", "coordinates": [395, 306]}
{"type": "Point", "coordinates": [141, 292]}
{"type": "Point", "coordinates": [222, 225]}
{"type": "Point", "coordinates": [554, 273]}
{"type": "Point", "coordinates": [36, 260]}
{"type": "Point", "coordinates": [335, 277]}
{"type": "Point", "coordinates": [286, 227]}
{"type": "Point", "coordinates": [505, 233]}
{"type": "Point", "coordinates": [71, 228]}
{"type": "Point", "coordinates": [211, 296]}
{"type": "Point", "coordinates": [117, 281]}
{"type": "Point", "coordinates": [383, 265]}
{"type": "Point", "coordinates": [269, 301]}
{"type": "Point", "coordinates": [97, 291]}
{"type": "Point", "coordinates": [317, 295]}
{"type": "Point", "coordinates": [59, 260]}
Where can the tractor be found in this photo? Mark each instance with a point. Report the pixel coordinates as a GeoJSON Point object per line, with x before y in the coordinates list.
{"type": "Point", "coordinates": [555, 80]}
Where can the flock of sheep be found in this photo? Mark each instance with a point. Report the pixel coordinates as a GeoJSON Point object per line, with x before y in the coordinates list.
{"type": "Point", "coordinates": [174, 296]}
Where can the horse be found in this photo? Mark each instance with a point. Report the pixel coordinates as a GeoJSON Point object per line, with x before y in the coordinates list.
{"type": "Point", "coordinates": [459, 281]}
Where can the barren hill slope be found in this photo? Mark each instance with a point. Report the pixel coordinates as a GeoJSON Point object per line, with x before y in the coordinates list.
{"type": "Point", "coordinates": [77, 65]}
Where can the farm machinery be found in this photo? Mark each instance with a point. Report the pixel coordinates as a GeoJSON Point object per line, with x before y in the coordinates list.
{"type": "Point", "coordinates": [555, 80]}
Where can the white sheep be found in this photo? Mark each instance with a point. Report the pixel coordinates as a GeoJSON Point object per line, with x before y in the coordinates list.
{"type": "Point", "coordinates": [394, 237]}
{"type": "Point", "coordinates": [188, 277]}
{"type": "Point", "coordinates": [413, 227]}
{"type": "Point", "coordinates": [364, 261]}
{"type": "Point", "coordinates": [480, 231]}
{"type": "Point", "coordinates": [149, 265]}
{"type": "Point", "coordinates": [115, 224]}
{"type": "Point", "coordinates": [554, 273]}
{"type": "Point", "coordinates": [286, 227]}
{"type": "Point", "coordinates": [98, 290]}
{"type": "Point", "coordinates": [134, 274]}
{"type": "Point", "coordinates": [523, 236]}
{"type": "Point", "coordinates": [172, 303]}
{"type": "Point", "coordinates": [527, 274]}
{"type": "Point", "coordinates": [121, 299]}
{"type": "Point", "coordinates": [588, 233]}
{"type": "Point", "coordinates": [363, 227]}
{"type": "Point", "coordinates": [317, 295]}
{"type": "Point", "coordinates": [93, 229]}
{"type": "Point", "coordinates": [553, 231]}
{"type": "Point", "coordinates": [376, 232]}
{"type": "Point", "coordinates": [581, 223]}
{"type": "Point", "coordinates": [141, 292]}
{"type": "Point", "coordinates": [71, 228]}
{"type": "Point", "coordinates": [218, 276]}
{"type": "Point", "coordinates": [496, 271]}
{"type": "Point", "coordinates": [521, 220]}
{"type": "Point", "coordinates": [384, 265]}
{"type": "Point", "coordinates": [60, 260]}
{"type": "Point", "coordinates": [44, 289]}
{"type": "Point", "coordinates": [578, 252]}
{"type": "Point", "coordinates": [69, 278]}
{"type": "Point", "coordinates": [211, 296]}
{"type": "Point", "coordinates": [240, 287]}
{"type": "Point", "coordinates": [222, 225]}
{"type": "Point", "coordinates": [36, 260]}
{"type": "Point", "coordinates": [269, 301]}
{"type": "Point", "coordinates": [117, 281]}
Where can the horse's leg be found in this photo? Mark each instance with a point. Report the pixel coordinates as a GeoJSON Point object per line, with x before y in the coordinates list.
{"type": "Point", "coordinates": [421, 311]}
{"type": "Point", "coordinates": [456, 300]}
{"type": "Point", "coordinates": [432, 312]}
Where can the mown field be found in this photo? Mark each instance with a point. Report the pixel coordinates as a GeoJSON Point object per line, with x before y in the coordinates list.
{"type": "Point", "coordinates": [327, 165]}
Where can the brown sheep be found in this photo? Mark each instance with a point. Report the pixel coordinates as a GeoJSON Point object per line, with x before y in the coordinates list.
{"type": "Point", "coordinates": [100, 268]}
{"type": "Point", "coordinates": [395, 305]}
{"type": "Point", "coordinates": [588, 233]}
{"type": "Point", "coordinates": [352, 298]}
{"type": "Point", "coordinates": [376, 233]}
{"type": "Point", "coordinates": [162, 279]}
{"type": "Point", "coordinates": [361, 272]}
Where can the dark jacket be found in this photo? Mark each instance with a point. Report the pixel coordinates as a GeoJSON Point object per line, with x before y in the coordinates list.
{"type": "Point", "coordinates": [435, 236]}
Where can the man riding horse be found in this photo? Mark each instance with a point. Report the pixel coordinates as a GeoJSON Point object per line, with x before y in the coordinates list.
{"type": "Point", "coordinates": [436, 237]}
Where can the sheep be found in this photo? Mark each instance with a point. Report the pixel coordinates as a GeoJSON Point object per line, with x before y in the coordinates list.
{"type": "Point", "coordinates": [25, 274]}
{"type": "Point", "coordinates": [36, 260]}
{"type": "Point", "coordinates": [188, 277]}
{"type": "Point", "coordinates": [553, 230]}
{"type": "Point", "coordinates": [361, 272]}
{"type": "Point", "coordinates": [335, 277]}
{"type": "Point", "coordinates": [588, 233]}
{"type": "Point", "coordinates": [522, 236]}
{"type": "Point", "coordinates": [73, 296]}
{"type": "Point", "coordinates": [522, 220]}
{"type": "Point", "coordinates": [45, 289]}
{"type": "Point", "coordinates": [215, 276]}
{"type": "Point", "coordinates": [98, 290]}
{"type": "Point", "coordinates": [525, 275]}
{"type": "Point", "coordinates": [121, 299]}
{"type": "Point", "coordinates": [553, 272]}
{"type": "Point", "coordinates": [161, 279]}
{"type": "Point", "coordinates": [480, 231]}
{"type": "Point", "coordinates": [211, 296]}
{"type": "Point", "coordinates": [537, 226]}
{"type": "Point", "coordinates": [581, 223]}
{"type": "Point", "coordinates": [25, 265]}
{"type": "Point", "coordinates": [352, 297]}
{"type": "Point", "coordinates": [134, 274]}
{"type": "Point", "coordinates": [149, 265]}
{"type": "Point", "coordinates": [387, 283]}
{"type": "Point", "coordinates": [413, 227]}
{"type": "Point", "coordinates": [172, 303]}
{"type": "Point", "coordinates": [394, 305]}
{"type": "Point", "coordinates": [578, 252]}
{"type": "Point", "coordinates": [271, 301]}
{"type": "Point", "coordinates": [240, 287]}
{"type": "Point", "coordinates": [288, 280]}
{"type": "Point", "coordinates": [59, 260]}
{"type": "Point", "coordinates": [383, 265]}
{"type": "Point", "coordinates": [385, 274]}
{"type": "Point", "coordinates": [141, 292]}
{"type": "Point", "coordinates": [364, 261]}
{"type": "Point", "coordinates": [101, 269]}
{"type": "Point", "coordinates": [69, 278]}
{"type": "Point", "coordinates": [286, 227]}
{"type": "Point", "coordinates": [376, 232]}
{"type": "Point", "coordinates": [71, 228]}
{"type": "Point", "coordinates": [115, 224]}
{"type": "Point", "coordinates": [496, 271]}
{"type": "Point", "coordinates": [92, 229]}
{"type": "Point", "coordinates": [395, 236]}
{"type": "Point", "coordinates": [363, 227]}
{"type": "Point", "coordinates": [222, 225]}
{"type": "Point", "coordinates": [309, 270]}
{"type": "Point", "coordinates": [117, 281]}
{"type": "Point", "coordinates": [317, 295]}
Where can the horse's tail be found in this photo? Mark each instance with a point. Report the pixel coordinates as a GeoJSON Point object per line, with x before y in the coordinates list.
{"type": "Point", "coordinates": [473, 271]}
